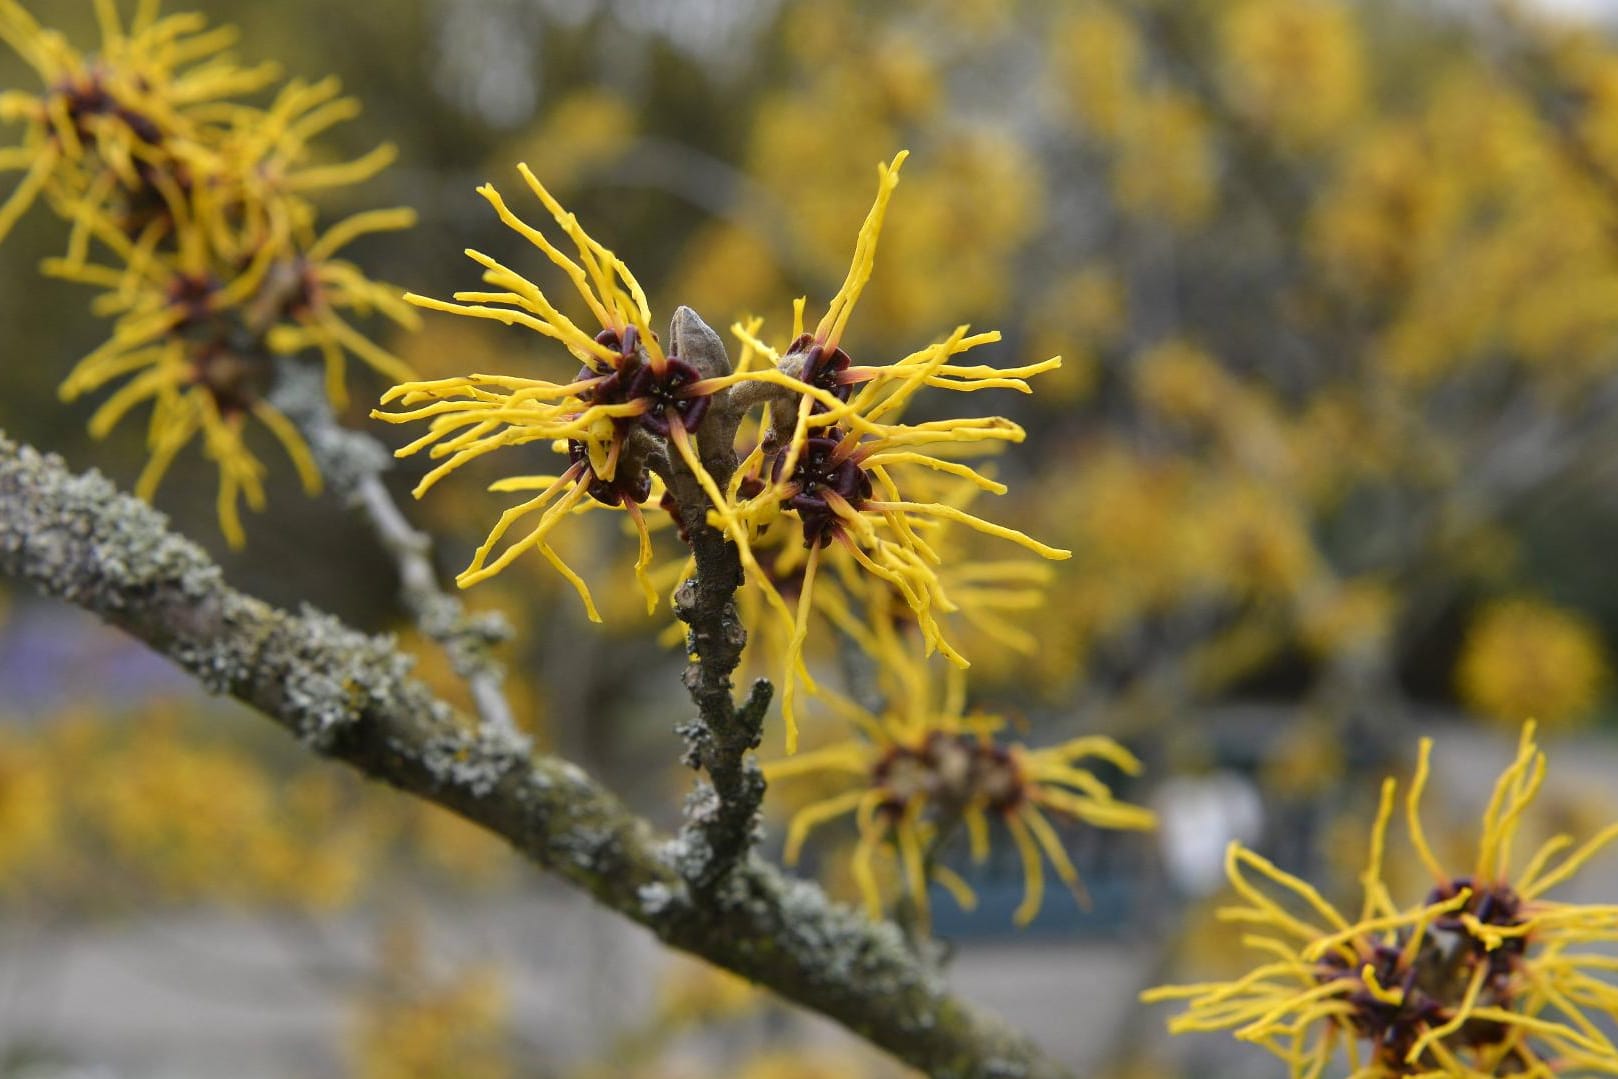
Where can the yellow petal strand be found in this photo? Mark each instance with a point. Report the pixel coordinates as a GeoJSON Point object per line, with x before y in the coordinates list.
{"type": "Point", "coordinates": [830, 329]}
{"type": "Point", "coordinates": [1376, 897]}
{"type": "Point", "coordinates": [794, 657]}
{"type": "Point", "coordinates": [959, 890]}
{"type": "Point", "coordinates": [1033, 870]}
{"type": "Point", "coordinates": [1418, 837]}
{"type": "Point", "coordinates": [812, 816]}
{"type": "Point", "coordinates": [292, 441]}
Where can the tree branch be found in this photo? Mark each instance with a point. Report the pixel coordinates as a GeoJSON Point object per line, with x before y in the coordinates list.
{"type": "Point", "coordinates": [721, 819]}
{"type": "Point", "coordinates": [350, 696]}
{"type": "Point", "coordinates": [352, 464]}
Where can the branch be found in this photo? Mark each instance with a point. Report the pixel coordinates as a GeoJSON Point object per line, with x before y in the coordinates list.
{"type": "Point", "coordinates": [350, 697]}
{"type": "Point", "coordinates": [721, 819]}
{"type": "Point", "coordinates": [352, 464]}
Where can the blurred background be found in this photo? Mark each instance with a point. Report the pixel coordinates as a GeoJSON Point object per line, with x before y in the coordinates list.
{"type": "Point", "coordinates": [1335, 445]}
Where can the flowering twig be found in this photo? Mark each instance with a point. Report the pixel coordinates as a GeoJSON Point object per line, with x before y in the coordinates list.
{"type": "Point", "coordinates": [352, 464]}
{"type": "Point", "coordinates": [350, 696]}
{"type": "Point", "coordinates": [721, 820]}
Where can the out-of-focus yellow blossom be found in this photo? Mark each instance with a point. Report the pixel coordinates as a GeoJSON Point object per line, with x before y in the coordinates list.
{"type": "Point", "coordinates": [1097, 51]}
{"type": "Point", "coordinates": [174, 348]}
{"type": "Point", "coordinates": [907, 76]}
{"type": "Point", "coordinates": [187, 814]}
{"type": "Point", "coordinates": [1077, 315]}
{"type": "Point", "coordinates": [980, 199]}
{"type": "Point", "coordinates": [196, 207]}
{"type": "Point", "coordinates": [1183, 383]}
{"type": "Point", "coordinates": [1485, 976]}
{"type": "Point", "coordinates": [179, 816]}
{"type": "Point", "coordinates": [586, 130]}
{"type": "Point", "coordinates": [1255, 540]}
{"type": "Point", "coordinates": [1295, 67]}
{"type": "Point", "coordinates": [924, 765]}
{"type": "Point", "coordinates": [1164, 165]}
{"type": "Point", "coordinates": [727, 267]}
{"type": "Point", "coordinates": [1187, 387]}
{"type": "Point", "coordinates": [1126, 529]}
{"type": "Point", "coordinates": [182, 819]}
{"type": "Point", "coordinates": [843, 107]}
{"type": "Point", "coordinates": [798, 1064]}
{"type": "Point", "coordinates": [1524, 657]}
{"type": "Point", "coordinates": [1588, 65]}
{"type": "Point", "coordinates": [1389, 214]}
{"type": "Point", "coordinates": [1349, 618]}
{"type": "Point", "coordinates": [108, 126]}
{"type": "Point", "coordinates": [28, 809]}
{"type": "Point", "coordinates": [694, 992]}
{"type": "Point", "coordinates": [465, 852]}
{"type": "Point", "coordinates": [417, 1026]}
{"type": "Point", "coordinates": [325, 849]}
{"type": "Point", "coordinates": [1475, 179]}
{"type": "Point", "coordinates": [1340, 442]}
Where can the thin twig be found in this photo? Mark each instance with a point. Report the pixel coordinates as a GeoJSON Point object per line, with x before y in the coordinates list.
{"type": "Point", "coordinates": [352, 464]}
{"type": "Point", "coordinates": [722, 815]}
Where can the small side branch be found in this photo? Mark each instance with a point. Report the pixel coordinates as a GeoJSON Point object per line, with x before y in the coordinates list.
{"type": "Point", "coordinates": [721, 816]}
{"type": "Point", "coordinates": [352, 464]}
{"type": "Point", "coordinates": [350, 696]}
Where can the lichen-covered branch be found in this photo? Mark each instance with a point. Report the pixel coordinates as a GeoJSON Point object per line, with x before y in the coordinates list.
{"type": "Point", "coordinates": [352, 464]}
{"type": "Point", "coordinates": [350, 696]}
{"type": "Point", "coordinates": [722, 819]}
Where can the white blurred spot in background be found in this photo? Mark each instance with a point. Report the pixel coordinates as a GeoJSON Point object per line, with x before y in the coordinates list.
{"type": "Point", "coordinates": [488, 59]}
{"type": "Point", "coordinates": [1198, 816]}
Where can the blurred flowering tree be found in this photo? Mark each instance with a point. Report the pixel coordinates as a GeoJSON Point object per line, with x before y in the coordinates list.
{"type": "Point", "coordinates": [1334, 283]}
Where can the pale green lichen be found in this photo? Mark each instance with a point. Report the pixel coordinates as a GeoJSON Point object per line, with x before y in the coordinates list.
{"type": "Point", "coordinates": [476, 760]}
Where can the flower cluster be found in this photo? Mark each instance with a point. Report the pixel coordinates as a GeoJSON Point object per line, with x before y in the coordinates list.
{"type": "Point", "coordinates": [629, 407]}
{"type": "Point", "coordinates": [836, 473]}
{"type": "Point", "coordinates": [1484, 976]}
{"type": "Point", "coordinates": [923, 766]}
{"type": "Point", "coordinates": [190, 211]}
{"type": "Point", "coordinates": [843, 517]}
{"type": "Point", "coordinates": [799, 457]}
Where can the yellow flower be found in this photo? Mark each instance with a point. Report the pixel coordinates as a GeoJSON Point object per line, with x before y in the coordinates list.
{"type": "Point", "coordinates": [175, 344]}
{"type": "Point", "coordinates": [834, 465]}
{"type": "Point", "coordinates": [1099, 56]}
{"type": "Point", "coordinates": [29, 808]}
{"type": "Point", "coordinates": [211, 263]}
{"type": "Point", "coordinates": [413, 1025]}
{"type": "Point", "coordinates": [1483, 977]}
{"type": "Point", "coordinates": [1354, 616]}
{"type": "Point", "coordinates": [1294, 67]}
{"type": "Point", "coordinates": [924, 765]}
{"type": "Point", "coordinates": [1165, 165]}
{"type": "Point", "coordinates": [106, 125]}
{"type": "Point", "coordinates": [984, 596]}
{"type": "Point", "coordinates": [693, 994]}
{"type": "Point", "coordinates": [831, 465]}
{"type": "Point", "coordinates": [1522, 657]}
{"type": "Point", "coordinates": [615, 414]}
{"type": "Point", "coordinates": [583, 132]}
